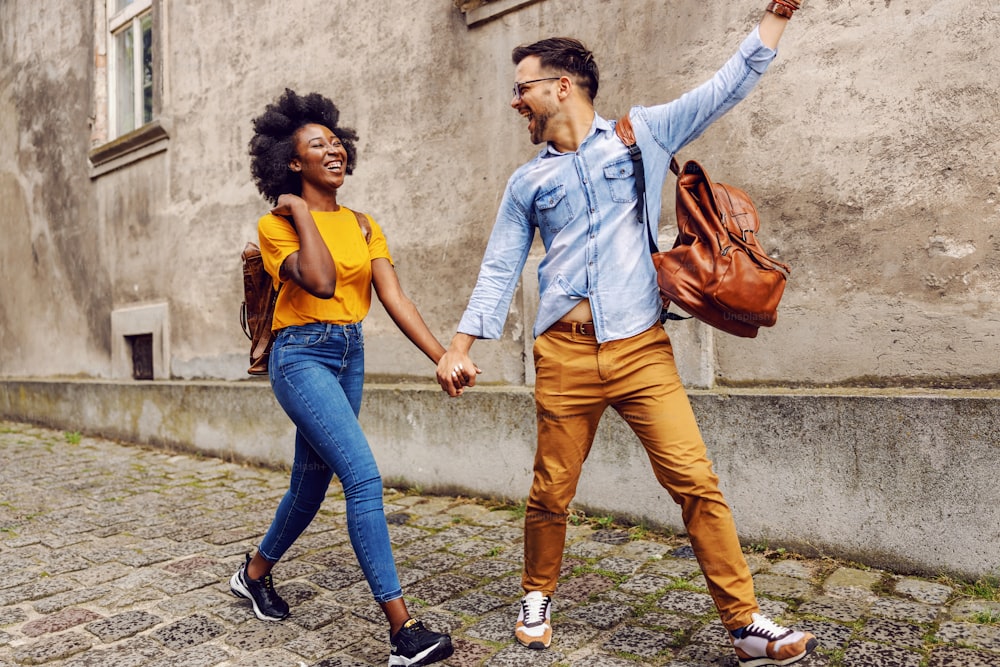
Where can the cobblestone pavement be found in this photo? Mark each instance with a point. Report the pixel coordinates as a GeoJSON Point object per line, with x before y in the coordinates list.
{"type": "Point", "coordinates": [113, 555]}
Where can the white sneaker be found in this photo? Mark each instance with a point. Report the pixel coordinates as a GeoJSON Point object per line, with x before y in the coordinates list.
{"type": "Point", "coordinates": [764, 642]}
{"type": "Point", "coordinates": [534, 628]}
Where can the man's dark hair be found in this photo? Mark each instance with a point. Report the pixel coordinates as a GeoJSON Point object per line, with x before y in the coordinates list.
{"type": "Point", "coordinates": [273, 144]}
{"type": "Point", "coordinates": [566, 55]}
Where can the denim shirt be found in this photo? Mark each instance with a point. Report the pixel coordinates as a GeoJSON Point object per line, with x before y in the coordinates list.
{"type": "Point", "coordinates": [584, 206]}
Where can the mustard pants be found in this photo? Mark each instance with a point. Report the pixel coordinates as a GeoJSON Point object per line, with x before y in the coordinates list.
{"type": "Point", "coordinates": [576, 380]}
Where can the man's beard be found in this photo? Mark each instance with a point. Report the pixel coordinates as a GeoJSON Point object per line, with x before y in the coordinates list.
{"type": "Point", "coordinates": [541, 123]}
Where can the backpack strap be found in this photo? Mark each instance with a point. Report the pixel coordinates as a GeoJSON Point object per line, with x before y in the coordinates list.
{"type": "Point", "coordinates": [624, 131]}
{"type": "Point", "coordinates": [366, 228]}
{"type": "Point", "coordinates": [623, 128]}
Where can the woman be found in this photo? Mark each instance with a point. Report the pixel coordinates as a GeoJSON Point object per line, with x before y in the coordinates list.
{"type": "Point", "coordinates": [326, 260]}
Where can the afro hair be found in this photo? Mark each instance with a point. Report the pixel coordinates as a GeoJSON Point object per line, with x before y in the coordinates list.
{"type": "Point", "coordinates": [272, 147]}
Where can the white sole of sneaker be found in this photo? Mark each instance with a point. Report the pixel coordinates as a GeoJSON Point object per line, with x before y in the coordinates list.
{"type": "Point", "coordinates": [241, 591]}
{"type": "Point", "coordinates": [771, 662]}
{"type": "Point", "coordinates": [435, 653]}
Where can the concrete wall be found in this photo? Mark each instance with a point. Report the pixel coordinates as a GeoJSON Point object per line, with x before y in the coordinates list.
{"type": "Point", "coordinates": [868, 148]}
{"type": "Point", "coordinates": [905, 481]}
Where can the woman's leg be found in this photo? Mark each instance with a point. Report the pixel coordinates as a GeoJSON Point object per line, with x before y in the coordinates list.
{"type": "Point", "coordinates": [317, 377]}
{"type": "Point", "coordinates": [310, 480]}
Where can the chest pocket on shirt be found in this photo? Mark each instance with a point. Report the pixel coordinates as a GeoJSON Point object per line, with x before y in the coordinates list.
{"type": "Point", "coordinates": [619, 176]}
{"type": "Point", "coordinates": [553, 208]}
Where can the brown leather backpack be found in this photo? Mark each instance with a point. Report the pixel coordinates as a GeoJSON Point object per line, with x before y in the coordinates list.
{"type": "Point", "coordinates": [259, 299]}
{"type": "Point", "coordinates": [257, 309]}
{"type": "Point", "coordinates": [716, 270]}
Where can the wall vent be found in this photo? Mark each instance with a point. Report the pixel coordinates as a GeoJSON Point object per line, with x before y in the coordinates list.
{"type": "Point", "coordinates": [140, 342]}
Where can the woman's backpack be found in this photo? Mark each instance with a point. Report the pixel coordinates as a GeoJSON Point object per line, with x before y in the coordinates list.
{"type": "Point", "coordinates": [257, 309]}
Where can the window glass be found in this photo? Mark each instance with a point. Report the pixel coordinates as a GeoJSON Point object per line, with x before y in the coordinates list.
{"type": "Point", "coordinates": [147, 67]}
{"type": "Point", "coordinates": [124, 81]}
{"type": "Point", "coordinates": [122, 4]}
{"type": "Point", "coordinates": [133, 74]}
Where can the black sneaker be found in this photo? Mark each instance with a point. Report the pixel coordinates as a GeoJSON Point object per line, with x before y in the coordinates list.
{"type": "Point", "coordinates": [267, 604]}
{"type": "Point", "coordinates": [415, 645]}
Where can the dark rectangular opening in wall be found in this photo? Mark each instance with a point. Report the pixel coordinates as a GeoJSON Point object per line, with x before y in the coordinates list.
{"type": "Point", "coordinates": [142, 356]}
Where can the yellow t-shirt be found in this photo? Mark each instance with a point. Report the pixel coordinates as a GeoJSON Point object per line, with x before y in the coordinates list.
{"type": "Point", "coordinates": [352, 256]}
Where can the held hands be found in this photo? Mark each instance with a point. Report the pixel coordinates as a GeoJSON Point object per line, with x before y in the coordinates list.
{"type": "Point", "coordinates": [455, 371]}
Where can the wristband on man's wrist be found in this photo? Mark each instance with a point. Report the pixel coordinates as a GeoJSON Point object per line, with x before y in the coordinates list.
{"type": "Point", "coordinates": [782, 9]}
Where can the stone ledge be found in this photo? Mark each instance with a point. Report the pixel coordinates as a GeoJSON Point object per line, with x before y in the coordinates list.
{"type": "Point", "coordinates": [903, 481]}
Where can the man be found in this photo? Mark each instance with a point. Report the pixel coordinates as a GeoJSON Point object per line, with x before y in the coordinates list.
{"type": "Point", "coordinates": [599, 340]}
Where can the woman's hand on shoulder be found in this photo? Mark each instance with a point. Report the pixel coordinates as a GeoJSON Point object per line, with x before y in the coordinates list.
{"type": "Point", "coordinates": [287, 203]}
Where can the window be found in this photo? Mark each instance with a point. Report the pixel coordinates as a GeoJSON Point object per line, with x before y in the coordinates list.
{"type": "Point", "coordinates": [130, 75]}
{"type": "Point", "coordinates": [129, 84]}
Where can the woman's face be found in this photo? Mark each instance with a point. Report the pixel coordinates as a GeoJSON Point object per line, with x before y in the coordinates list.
{"type": "Point", "coordinates": [322, 159]}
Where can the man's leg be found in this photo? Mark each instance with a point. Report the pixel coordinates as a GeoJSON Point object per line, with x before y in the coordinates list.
{"type": "Point", "coordinates": [569, 403]}
{"type": "Point", "coordinates": [648, 394]}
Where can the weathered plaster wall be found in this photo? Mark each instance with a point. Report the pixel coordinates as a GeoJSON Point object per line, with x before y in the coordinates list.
{"type": "Point", "coordinates": [55, 300]}
{"type": "Point", "coordinates": [884, 196]}
{"type": "Point", "coordinates": [868, 147]}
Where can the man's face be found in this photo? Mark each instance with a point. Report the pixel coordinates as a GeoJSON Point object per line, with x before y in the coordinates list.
{"type": "Point", "coordinates": [537, 100]}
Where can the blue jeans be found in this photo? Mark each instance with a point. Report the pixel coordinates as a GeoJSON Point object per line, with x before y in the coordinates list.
{"type": "Point", "coordinates": [317, 373]}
